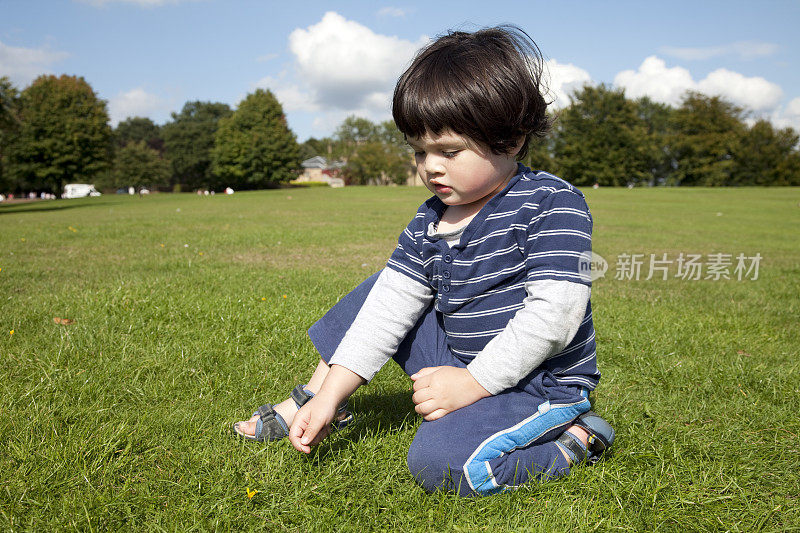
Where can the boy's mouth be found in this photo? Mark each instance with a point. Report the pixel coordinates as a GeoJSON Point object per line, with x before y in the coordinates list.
{"type": "Point", "coordinates": [439, 188]}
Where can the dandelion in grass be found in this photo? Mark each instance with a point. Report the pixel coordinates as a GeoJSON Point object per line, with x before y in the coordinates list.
{"type": "Point", "coordinates": [22, 239]}
{"type": "Point", "coordinates": [162, 244]}
{"type": "Point", "coordinates": [200, 253]}
{"type": "Point", "coordinates": [73, 230]}
{"type": "Point", "coordinates": [251, 493]}
{"type": "Point", "coordinates": [284, 296]}
{"type": "Point", "coordinates": [263, 298]}
{"type": "Point", "coordinates": [11, 332]}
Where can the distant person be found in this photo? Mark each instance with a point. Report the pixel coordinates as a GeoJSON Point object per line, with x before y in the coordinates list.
{"type": "Point", "coordinates": [483, 302]}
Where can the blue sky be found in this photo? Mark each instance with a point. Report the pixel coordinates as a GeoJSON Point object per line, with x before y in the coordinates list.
{"type": "Point", "coordinates": [326, 60]}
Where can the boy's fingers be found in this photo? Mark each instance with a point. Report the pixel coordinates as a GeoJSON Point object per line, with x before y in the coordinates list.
{"type": "Point", "coordinates": [309, 435]}
{"type": "Point", "coordinates": [425, 408]}
{"type": "Point", "coordinates": [422, 395]}
{"type": "Point", "coordinates": [424, 372]}
{"type": "Point", "coordinates": [318, 428]}
{"type": "Point", "coordinates": [321, 435]}
{"type": "Point", "coordinates": [296, 433]}
{"type": "Point", "coordinates": [437, 414]}
{"type": "Point", "coordinates": [422, 382]}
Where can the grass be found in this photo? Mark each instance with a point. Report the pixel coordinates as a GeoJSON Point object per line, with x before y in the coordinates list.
{"type": "Point", "coordinates": [189, 311]}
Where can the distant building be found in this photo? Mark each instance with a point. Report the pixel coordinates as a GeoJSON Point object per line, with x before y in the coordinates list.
{"type": "Point", "coordinates": [319, 169]}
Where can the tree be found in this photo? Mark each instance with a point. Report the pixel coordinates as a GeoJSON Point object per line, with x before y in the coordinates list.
{"type": "Point", "coordinates": [600, 139]}
{"type": "Point", "coordinates": [63, 135]}
{"type": "Point", "coordinates": [540, 151]}
{"type": "Point", "coordinates": [189, 140]}
{"type": "Point", "coordinates": [657, 119]}
{"type": "Point", "coordinates": [356, 130]}
{"type": "Point", "coordinates": [767, 156]}
{"type": "Point", "coordinates": [375, 153]}
{"type": "Point", "coordinates": [9, 122]}
{"type": "Point", "coordinates": [135, 129]}
{"type": "Point", "coordinates": [255, 147]}
{"type": "Point", "coordinates": [138, 165]}
{"type": "Point", "coordinates": [313, 147]}
{"type": "Point", "coordinates": [378, 162]}
{"type": "Point", "coordinates": [707, 134]}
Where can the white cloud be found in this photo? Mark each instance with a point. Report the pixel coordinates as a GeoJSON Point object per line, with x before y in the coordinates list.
{"type": "Point", "coordinates": [754, 93]}
{"type": "Point", "coordinates": [668, 85]}
{"type": "Point", "coordinates": [266, 57]}
{"type": "Point", "coordinates": [656, 80]}
{"type": "Point", "coordinates": [134, 103]}
{"type": "Point", "coordinates": [22, 65]}
{"type": "Point", "coordinates": [389, 11]}
{"type": "Point", "coordinates": [562, 79]}
{"type": "Point", "coordinates": [344, 64]}
{"type": "Point", "coordinates": [788, 116]}
{"type": "Point", "coordinates": [742, 50]}
{"type": "Point", "coordinates": [291, 96]}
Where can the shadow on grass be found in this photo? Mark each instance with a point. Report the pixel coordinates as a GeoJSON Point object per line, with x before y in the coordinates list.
{"type": "Point", "coordinates": [36, 207]}
{"type": "Point", "coordinates": [383, 412]}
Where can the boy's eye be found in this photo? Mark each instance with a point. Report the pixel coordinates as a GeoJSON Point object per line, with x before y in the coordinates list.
{"type": "Point", "coordinates": [450, 154]}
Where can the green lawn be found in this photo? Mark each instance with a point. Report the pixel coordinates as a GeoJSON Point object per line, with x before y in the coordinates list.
{"type": "Point", "coordinates": [191, 311]}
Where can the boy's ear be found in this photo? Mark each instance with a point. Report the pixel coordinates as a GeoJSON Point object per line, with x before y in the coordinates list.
{"type": "Point", "coordinates": [518, 146]}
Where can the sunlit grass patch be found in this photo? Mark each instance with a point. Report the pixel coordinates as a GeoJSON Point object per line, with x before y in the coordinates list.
{"type": "Point", "coordinates": [180, 314]}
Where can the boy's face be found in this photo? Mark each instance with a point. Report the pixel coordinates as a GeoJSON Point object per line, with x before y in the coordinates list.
{"type": "Point", "coordinates": [459, 171]}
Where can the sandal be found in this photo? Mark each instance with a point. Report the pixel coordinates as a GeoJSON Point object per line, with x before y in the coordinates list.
{"type": "Point", "coordinates": [271, 426]}
{"type": "Point", "coordinates": [601, 437]}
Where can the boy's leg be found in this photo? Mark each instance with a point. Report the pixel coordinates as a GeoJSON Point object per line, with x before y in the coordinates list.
{"type": "Point", "coordinates": [504, 440]}
{"type": "Point", "coordinates": [425, 345]}
{"type": "Point", "coordinates": [498, 442]}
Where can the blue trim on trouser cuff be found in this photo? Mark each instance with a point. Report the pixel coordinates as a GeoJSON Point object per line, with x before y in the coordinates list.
{"type": "Point", "coordinates": [477, 470]}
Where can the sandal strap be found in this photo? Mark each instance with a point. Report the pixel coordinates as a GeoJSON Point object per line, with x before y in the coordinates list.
{"type": "Point", "coordinates": [575, 449]}
{"type": "Point", "coordinates": [270, 425]}
{"type": "Point", "coordinates": [301, 396]}
{"type": "Point", "coordinates": [601, 434]}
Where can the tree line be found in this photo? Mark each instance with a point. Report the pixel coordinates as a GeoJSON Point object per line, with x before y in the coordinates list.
{"type": "Point", "coordinates": [605, 138]}
{"type": "Point", "coordinates": [57, 131]}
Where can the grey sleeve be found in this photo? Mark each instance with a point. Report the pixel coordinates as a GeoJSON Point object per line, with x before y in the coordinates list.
{"type": "Point", "coordinates": [392, 307]}
{"type": "Point", "coordinates": [553, 312]}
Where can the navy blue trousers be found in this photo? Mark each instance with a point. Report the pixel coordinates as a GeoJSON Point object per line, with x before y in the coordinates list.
{"type": "Point", "coordinates": [498, 442]}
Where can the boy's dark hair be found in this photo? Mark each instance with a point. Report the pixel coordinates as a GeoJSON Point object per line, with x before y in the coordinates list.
{"type": "Point", "coordinates": [483, 85]}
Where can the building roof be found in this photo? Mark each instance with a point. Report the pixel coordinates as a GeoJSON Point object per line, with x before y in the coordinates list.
{"type": "Point", "coordinates": [315, 162]}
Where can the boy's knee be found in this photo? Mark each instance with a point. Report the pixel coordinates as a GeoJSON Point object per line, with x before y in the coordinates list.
{"type": "Point", "coordinates": [433, 465]}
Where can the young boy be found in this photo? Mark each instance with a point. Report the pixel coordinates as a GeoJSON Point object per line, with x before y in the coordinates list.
{"type": "Point", "coordinates": [482, 303]}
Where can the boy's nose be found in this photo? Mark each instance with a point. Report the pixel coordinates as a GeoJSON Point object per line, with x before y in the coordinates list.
{"type": "Point", "coordinates": [433, 166]}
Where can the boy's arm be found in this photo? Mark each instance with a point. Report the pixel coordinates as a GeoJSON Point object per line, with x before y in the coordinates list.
{"type": "Point", "coordinates": [552, 315]}
{"type": "Point", "coordinates": [392, 307]}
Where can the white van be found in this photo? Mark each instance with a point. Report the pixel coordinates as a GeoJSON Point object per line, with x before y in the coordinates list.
{"type": "Point", "coordinates": [79, 190]}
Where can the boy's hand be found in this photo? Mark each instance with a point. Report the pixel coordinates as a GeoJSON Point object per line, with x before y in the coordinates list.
{"type": "Point", "coordinates": [439, 390]}
{"type": "Point", "coordinates": [312, 424]}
